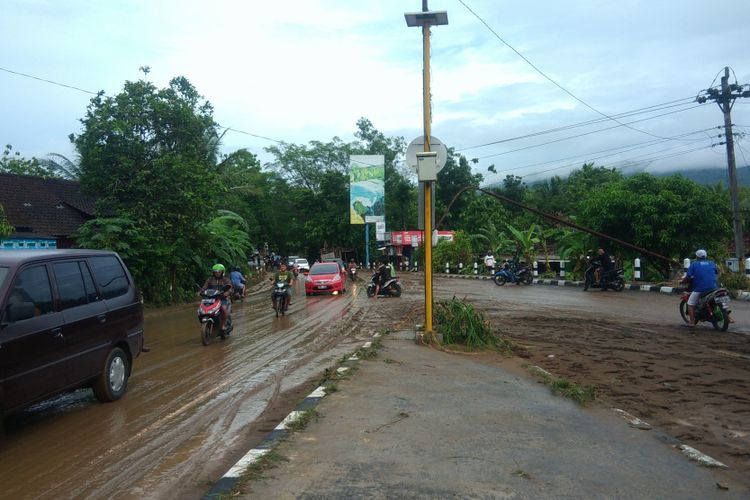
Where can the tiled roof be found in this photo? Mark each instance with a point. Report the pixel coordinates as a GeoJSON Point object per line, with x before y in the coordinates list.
{"type": "Point", "coordinates": [48, 207]}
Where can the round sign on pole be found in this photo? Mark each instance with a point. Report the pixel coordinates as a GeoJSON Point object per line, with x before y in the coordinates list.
{"type": "Point", "coordinates": [417, 146]}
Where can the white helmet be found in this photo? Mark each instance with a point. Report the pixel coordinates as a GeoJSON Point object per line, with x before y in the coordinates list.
{"type": "Point", "coordinates": [701, 254]}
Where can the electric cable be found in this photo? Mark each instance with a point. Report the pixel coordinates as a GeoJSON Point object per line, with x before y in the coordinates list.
{"type": "Point", "coordinates": [648, 109]}
{"type": "Point", "coordinates": [588, 133]}
{"type": "Point", "coordinates": [553, 81]}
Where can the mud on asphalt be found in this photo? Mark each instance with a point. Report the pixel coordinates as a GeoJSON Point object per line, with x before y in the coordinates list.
{"type": "Point", "coordinates": [692, 386]}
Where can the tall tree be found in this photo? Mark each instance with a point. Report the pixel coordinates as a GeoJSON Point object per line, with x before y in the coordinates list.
{"type": "Point", "coordinates": [149, 155]}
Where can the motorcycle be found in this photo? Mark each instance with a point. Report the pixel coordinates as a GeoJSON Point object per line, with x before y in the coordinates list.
{"type": "Point", "coordinates": [391, 288]}
{"type": "Point", "coordinates": [614, 278]}
{"type": "Point", "coordinates": [513, 274]}
{"type": "Point", "coordinates": [280, 297]}
{"type": "Point", "coordinates": [209, 315]}
{"type": "Point", "coordinates": [713, 307]}
{"type": "Point", "coordinates": [353, 273]}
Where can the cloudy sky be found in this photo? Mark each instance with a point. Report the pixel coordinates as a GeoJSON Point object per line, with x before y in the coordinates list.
{"type": "Point", "coordinates": [304, 70]}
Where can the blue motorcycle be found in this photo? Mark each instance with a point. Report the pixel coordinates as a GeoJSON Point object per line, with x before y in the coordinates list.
{"type": "Point", "coordinates": [513, 274]}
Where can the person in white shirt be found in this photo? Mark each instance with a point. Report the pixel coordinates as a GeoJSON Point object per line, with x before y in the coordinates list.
{"type": "Point", "coordinates": [489, 262]}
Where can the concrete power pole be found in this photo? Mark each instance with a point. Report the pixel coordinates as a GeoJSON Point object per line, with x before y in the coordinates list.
{"type": "Point", "coordinates": [725, 98]}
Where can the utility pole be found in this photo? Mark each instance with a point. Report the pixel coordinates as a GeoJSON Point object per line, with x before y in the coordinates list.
{"type": "Point", "coordinates": [725, 98]}
{"type": "Point", "coordinates": [425, 19]}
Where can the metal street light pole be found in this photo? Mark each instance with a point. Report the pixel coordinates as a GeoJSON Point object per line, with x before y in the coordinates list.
{"type": "Point", "coordinates": [425, 19]}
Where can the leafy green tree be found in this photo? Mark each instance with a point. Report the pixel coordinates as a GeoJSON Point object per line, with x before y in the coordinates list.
{"type": "Point", "coordinates": [231, 244]}
{"type": "Point", "coordinates": [12, 162]}
{"type": "Point", "coordinates": [455, 176]}
{"type": "Point", "coordinates": [149, 155]}
{"type": "Point", "coordinates": [6, 229]}
{"type": "Point", "coordinates": [669, 215]}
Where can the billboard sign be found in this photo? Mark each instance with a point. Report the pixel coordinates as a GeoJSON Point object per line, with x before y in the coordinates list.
{"type": "Point", "coordinates": [366, 187]}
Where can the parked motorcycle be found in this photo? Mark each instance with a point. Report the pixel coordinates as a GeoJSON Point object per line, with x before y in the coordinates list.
{"type": "Point", "coordinates": [209, 315]}
{"type": "Point", "coordinates": [713, 307]}
{"type": "Point", "coordinates": [614, 278]}
{"type": "Point", "coordinates": [280, 297]}
{"type": "Point", "coordinates": [510, 274]}
{"type": "Point", "coordinates": [391, 288]}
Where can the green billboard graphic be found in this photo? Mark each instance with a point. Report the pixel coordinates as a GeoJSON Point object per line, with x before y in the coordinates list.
{"type": "Point", "coordinates": [366, 188]}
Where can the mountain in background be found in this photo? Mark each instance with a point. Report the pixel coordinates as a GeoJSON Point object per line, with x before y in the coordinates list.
{"type": "Point", "coordinates": [703, 176]}
{"type": "Point", "coordinates": [710, 176]}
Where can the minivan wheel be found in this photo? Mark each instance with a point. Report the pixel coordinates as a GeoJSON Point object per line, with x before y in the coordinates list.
{"type": "Point", "coordinates": [113, 381]}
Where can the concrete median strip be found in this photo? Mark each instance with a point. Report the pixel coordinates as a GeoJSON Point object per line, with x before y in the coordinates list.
{"type": "Point", "coordinates": [226, 484]}
{"type": "Point", "coordinates": [741, 295]}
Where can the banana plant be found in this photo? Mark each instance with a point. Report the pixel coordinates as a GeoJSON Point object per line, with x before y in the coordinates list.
{"type": "Point", "coordinates": [526, 241]}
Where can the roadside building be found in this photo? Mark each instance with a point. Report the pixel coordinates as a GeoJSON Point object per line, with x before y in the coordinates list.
{"type": "Point", "coordinates": [44, 211]}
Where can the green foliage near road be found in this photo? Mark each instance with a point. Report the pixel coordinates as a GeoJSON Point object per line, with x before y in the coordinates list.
{"type": "Point", "coordinates": [461, 323]}
{"type": "Point", "coordinates": [5, 228]}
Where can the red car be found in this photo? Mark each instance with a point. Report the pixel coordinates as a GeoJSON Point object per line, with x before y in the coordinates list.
{"type": "Point", "coordinates": [325, 277]}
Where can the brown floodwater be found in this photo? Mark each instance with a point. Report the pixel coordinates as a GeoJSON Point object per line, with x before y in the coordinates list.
{"type": "Point", "coordinates": [186, 415]}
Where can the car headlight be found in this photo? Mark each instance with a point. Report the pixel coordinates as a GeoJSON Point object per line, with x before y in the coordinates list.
{"type": "Point", "coordinates": [308, 279]}
{"type": "Point", "coordinates": [336, 278]}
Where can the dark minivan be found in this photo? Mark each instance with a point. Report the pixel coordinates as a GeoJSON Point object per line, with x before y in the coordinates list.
{"type": "Point", "coordinates": [68, 319]}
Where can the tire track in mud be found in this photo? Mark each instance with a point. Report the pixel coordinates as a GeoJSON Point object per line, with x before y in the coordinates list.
{"type": "Point", "coordinates": [188, 409]}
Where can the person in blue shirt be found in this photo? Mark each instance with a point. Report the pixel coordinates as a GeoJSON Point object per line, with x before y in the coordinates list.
{"type": "Point", "coordinates": [702, 272]}
{"type": "Point", "coordinates": [238, 280]}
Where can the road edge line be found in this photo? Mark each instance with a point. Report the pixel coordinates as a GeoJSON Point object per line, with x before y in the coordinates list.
{"type": "Point", "coordinates": [228, 481]}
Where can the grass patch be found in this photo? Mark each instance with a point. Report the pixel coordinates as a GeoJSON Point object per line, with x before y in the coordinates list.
{"type": "Point", "coordinates": [255, 471]}
{"type": "Point", "coordinates": [303, 420]}
{"type": "Point", "coordinates": [583, 395]}
{"type": "Point", "coordinates": [578, 393]}
{"type": "Point", "coordinates": [331, 388]}
{"type": "Point", "coordinates": [460, 323]}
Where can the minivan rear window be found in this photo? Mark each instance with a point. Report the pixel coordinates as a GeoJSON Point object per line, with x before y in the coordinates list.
{"type": "Point", "coordinates": [69, 284]}
{"type": "Point", "coordinates": [109, 275]}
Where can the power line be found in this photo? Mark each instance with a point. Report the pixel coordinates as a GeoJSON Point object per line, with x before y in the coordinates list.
{"type": "Point", "coordinates": [49, 81]}
{"type": "Point", "coordinates": [617, 150]}
{"type": "Point", "coordinates": [73, 87]}
{"type": "Point", "coordinates": [648, 109]}
{"type": "Point", "coordinates": [553, 81]}
{"type": "Point", "coordinates": [589, 133]}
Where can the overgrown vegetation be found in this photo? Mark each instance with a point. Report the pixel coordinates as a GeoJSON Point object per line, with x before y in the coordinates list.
{"type": "Point", "coordinates": [171, 203]}
{"type": "Point", "coordinates": [583, 395]}
{"type": "Point", "coordinates": [460, 323]}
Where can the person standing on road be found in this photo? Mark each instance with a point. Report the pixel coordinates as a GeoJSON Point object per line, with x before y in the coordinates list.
{"type": "Point", "coordinates": [489, 262]}
{"type": "Point", "coordinates": [702, 272]}
{"type": "Point", "coordinates": [606, 265]}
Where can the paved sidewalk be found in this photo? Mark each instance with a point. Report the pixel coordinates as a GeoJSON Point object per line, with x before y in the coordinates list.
{"type": "Point", "coordinates": [415, 422]}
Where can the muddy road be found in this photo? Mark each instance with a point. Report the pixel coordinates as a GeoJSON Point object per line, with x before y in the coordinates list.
{"type": "Point", "coordinates": [190, 411]}
{"type": "Point", "coordinates": [632, 346]}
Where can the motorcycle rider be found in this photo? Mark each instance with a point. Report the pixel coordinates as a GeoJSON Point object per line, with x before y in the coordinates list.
{"type": "Point", "coordinates": [217, 281]}
{"type": "Point", "coordinates": [284, 275]}
{"type": "Point", "coordinates": [352, 268]}
{"type": "Point", "coordinates": [383, 274]}
{"type": "Point", "coordinates": [606, 265]}
{"type": "Point", "coordinates": [238, 280]}
{"type": "Point", "coordinates": [702, 272]}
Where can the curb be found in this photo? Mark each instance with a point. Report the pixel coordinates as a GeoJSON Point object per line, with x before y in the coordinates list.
{"type": "Point", "coordinates": [628, 286]}
{"type": "Point", "coordinates": [228, 481]}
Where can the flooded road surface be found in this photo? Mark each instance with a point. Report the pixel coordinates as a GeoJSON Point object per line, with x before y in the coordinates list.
{"type": "Point", "coordinates": [190, 411]}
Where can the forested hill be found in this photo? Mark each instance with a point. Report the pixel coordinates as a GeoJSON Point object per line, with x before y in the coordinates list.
{"type": "Point", "coordinates": [711, 176]}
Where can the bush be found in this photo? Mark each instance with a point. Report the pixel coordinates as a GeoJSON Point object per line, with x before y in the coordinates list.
{"type": "Point", "coordinates": [734, 281]}
{"type": "Point", "coordinates": [460, 323]}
